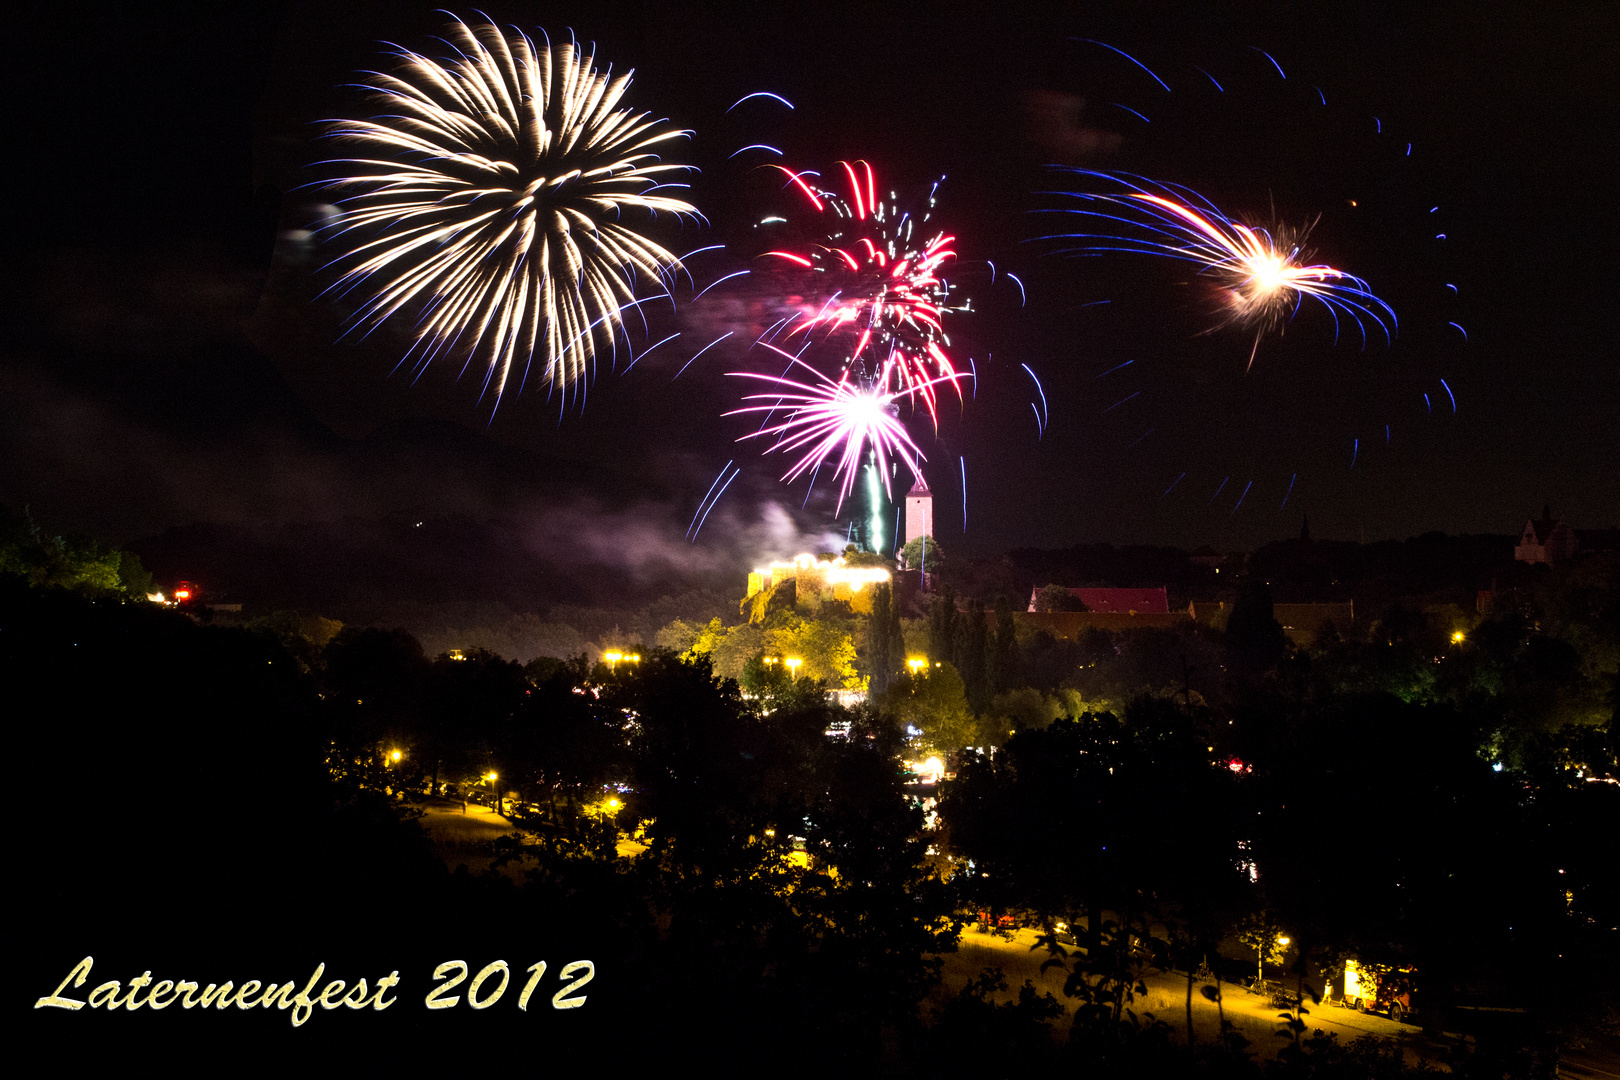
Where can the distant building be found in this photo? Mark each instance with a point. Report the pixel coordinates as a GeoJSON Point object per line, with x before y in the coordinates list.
{"type": "Point", "coordinates": [1119, 601]}
{"type": "Point", "coordinates": [1545, 541]}
{"type": "Point", "coordinates": [919, 510]}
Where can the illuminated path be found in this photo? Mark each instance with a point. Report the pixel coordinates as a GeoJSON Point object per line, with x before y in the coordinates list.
{"type": "Point", "coordinates": [1166, 999]}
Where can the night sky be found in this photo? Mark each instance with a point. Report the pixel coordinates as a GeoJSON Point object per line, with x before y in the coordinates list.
{"type": "Point", "coordinates": [168, 360]}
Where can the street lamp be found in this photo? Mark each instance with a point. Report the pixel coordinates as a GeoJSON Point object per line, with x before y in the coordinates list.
{"type": "Point", "coordinates": [490, 778]}
{"type": "Point", "coordinates": [612, 658]}
{"type": "Point", "coordinates": [793, 663]}
{"type": "Point", "coordinates": [917, 664]}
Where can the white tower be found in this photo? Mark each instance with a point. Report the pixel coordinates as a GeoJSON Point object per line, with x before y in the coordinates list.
{"type": "Point", "coordinates": [919, 511]}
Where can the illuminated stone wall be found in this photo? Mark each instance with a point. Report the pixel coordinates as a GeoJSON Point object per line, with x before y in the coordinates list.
{"type": "Point", "coordinates": [821, 580]}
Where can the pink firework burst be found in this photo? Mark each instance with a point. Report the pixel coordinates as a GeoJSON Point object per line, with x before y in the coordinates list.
{"type": "Point", "coordinates": [827, 419]}
{"type": "Point", "coordinates": [884, 267]}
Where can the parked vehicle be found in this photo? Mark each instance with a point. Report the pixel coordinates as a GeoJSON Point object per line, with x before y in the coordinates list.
{"type": "Point", "coordinates": [1374, 988]}
{"type": "Point", "coordinates": [991, 922]}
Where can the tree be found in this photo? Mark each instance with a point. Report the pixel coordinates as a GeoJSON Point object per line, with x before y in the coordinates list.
{"type": "Point", "coordinates": [76, 563]}
{"type": "Point", "coordinates": [470, 703]}
{"type": "Point", "coordinates": [372, 682]}
{"type": "Point", "coordinates": [972, 647]}
{"type": "Point", "coordinates": [134, 576]}
{"type": "Point", "coordinates": [854, 556]}
{"type": "Point", "coordinates": [796, 953]}
{"type": "Point", "coordinates": [1023, 708]}
{"type": "Point", "coordinates": [825, 648]}
{"type": "Point", "coordinates": [942, 627]}
{"type": "Point", "coordinates": [771, 685]}
{"type": "Point", "coordinates": [302, 635]}
{"type": "Point", "coordinates": [1134, 806]}
{"type": "Point", "coordinates": [1003, 660]}
{"type": "Point", "coordinates": [1262, 933]}
{"type": "Point", "coordinates": [564, 743]}
{"type": "Point", "coordinates": [897, 634]}
{"type": "Point", "coordinates": [881, 660]}
{"type": "Point", "coordinates": [729, 649]}
{"type": "Point", "coordinates": [1253, 633]}
{"type": "Point", "coordinates": [1058, 598]}
{"type": "Point", "coordinates": [922, 553]}
{"type": "Point", "coordinates": [933, 702]}
{"type": "Point", "coordinates": [678, 635]}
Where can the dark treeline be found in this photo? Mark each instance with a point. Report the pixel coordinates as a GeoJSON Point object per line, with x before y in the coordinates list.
{"type": "Point", "coordinates": [393, 571]}
{"type": "Point", "coordinates": [1421, 789]}
{"type": "Point", "coordinates": [210, 807]}
{"type": "Point", "coordinates": [1297, 570]}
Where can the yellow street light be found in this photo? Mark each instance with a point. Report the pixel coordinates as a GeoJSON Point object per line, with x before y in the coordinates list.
{"type": "Point", "coordinates": [612, 658]}
{"type": "Point", "coordinates": [917, 663]}
{"type": "Point", "coordinates": [1457, 637]}
{"type": "Point", "coordinates": [490, 777]}
{"type": "Point", "coordinates": [1283, 941]}
{"type": "Point", "coordinates": [396, 755]}
{"type": "Point", "coordinates": [793, 663]}
{"type": "Point", "coordinates": [614, 804]}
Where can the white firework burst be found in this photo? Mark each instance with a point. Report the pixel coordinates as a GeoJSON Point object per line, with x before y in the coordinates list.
{"type": "Point", "coordinates": [488, 202]}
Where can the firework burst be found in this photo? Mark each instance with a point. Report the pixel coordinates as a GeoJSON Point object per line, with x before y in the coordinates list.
{"type": "Point", "coordinates": [1263, 275]}
{"type": "Point", "coordinates": [884, 268]}
{"type": "Point", "coordinates": [487, 205]}
{"type": "Point", "coordinates": [827, 419]}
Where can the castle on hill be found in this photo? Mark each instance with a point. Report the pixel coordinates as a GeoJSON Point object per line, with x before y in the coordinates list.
{"type": "Point", "coordinates": [814, 581]}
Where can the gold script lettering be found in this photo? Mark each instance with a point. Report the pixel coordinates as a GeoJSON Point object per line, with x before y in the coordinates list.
{"type": "Point", "coordinates": [163, 987]}
{"type": "Point", "coordinates": [80, 972]}
{"type": "Point", "coordinates": [356, 998]}
{"type": "Point", "coordinates": [385, 984]}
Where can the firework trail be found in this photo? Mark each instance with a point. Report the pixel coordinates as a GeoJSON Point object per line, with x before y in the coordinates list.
{"type": "Point", "coordinates": [1043, 417]}
{"type": "Point", "coordinates": [962, 461]}
{"type": "Point", "coordinates": [834, 419]}
{"type": "Point", "coordinates": [1263, 275]}
{"type": "Point", "coordinates": [491, 195]}
{"type": "Point", "coordinates": [884, 270]}
{"type": "Point", "coordinates": [711, 499]}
